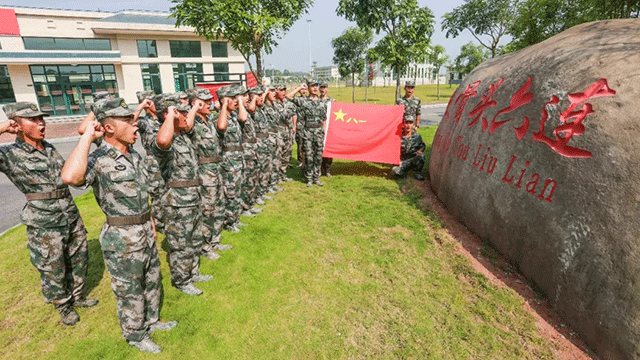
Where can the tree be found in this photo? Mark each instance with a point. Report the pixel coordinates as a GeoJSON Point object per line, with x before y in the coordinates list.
{"type": "Point", "coordinates": [407, 27]}
{"type": "Point", "coordinates": [492, 18]}
{"type": "Point", "coordinates": [538, 20]}
{"type": "Point", "coordinates": [437, 58]}
{"type": "Point", "coordinates": [251, 26]}
{"type": "Point", "coordinates": [470, 56]}
{"type": "Point", "coordinates": [349, 51]}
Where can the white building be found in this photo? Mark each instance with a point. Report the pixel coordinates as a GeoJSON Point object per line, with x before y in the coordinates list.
{"type": "Point", "coordinates": [421, 73]}
{"type": "Point", "coordinates": [58, 58]}
{"type": "Point", "coordinates": [326, 73]}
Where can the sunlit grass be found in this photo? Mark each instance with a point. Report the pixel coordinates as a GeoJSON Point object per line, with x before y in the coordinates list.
{"type": "Point", "coordinates": [385, 95]}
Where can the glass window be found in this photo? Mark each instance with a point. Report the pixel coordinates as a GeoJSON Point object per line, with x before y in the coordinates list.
{"type": "Point", "coordinates": [42, 43]}
{"type": "Point", "coordinates": [187, 75]}
{"type": "Point", "coordinates": [219, 49]}
{"type": "Point", "coordinates": [221, 72]}
{"type": "Point", "coordinates": [185, 48]}
{"type": "Point", "coordinates": [147, 49]}
{"type": "Point", "coordinates": [6, 89]}
{"type": "Point", "coordinates": [151, 77]}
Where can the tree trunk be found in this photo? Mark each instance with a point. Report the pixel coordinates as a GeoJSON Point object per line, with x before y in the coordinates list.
{"type": "Point", "coordinates": [438, 86]}
{"type": "Point", "coordinates": [258, 73]}
{"type": "Point", "coordinates": [353, 87]}
{"type": "Point", "coordinates": [366, 91]}
{"type": "Point", "coordinates": [397, 83]}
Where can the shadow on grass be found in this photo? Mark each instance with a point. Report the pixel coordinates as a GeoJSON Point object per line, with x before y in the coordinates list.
{"type": "Point", "coordinates": [96, 266]}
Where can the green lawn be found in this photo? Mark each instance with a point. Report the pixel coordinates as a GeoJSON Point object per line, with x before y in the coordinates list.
{"type": "Point", "coordinates": [385, 95]}
{"type": "Point", "coordinates": [352, 270]}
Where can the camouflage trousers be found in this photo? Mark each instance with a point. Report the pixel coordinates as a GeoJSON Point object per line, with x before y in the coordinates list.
{"type": "Point", "coordinates": [60, 254]}
{"type": "Point", "coordinates": [300, 142]}
{"type": "Point", "coordinates": [250, 176]}
{"type": "Point", "coordinates": [232, 167]}
{"type": "Point", "coordinates": [415, 163]}
{"type": "Point", "coordinates": [183, 231]}
{"type": "Point", "coordinates": [313, 139]}
{"type": "Point", "coordinates": [263, 165]}
{"type": "Point", "coordinates": [285, 151]}
{"type": "Point", "coordinates": [212, 204]}
{"type": "Point", "coordinates": [157, 189]}
{"type": "Point", "coordinates": [274, 144]}
{"type": "Point", "coordinates": [137, 285]}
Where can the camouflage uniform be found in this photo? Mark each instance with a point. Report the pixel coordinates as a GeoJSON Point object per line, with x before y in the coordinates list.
{"type": "Point", "coordinates": [315, 113]}
{"type": "Point", "coordinates": [209, 151]}
{"type": "Point", "coordinates": [232, 165]}
{"type": "Point", "coordinates": [250, 175]}
{"type": "Point", "coordinates": [56, 236]}
{"type": "Point", "coordinates": [120, 184]}
{"type": "Point", "coordinates": [182, 208]}
{"type": "Point", "coordinates": [299, 139]}
{"type": "Point", "coordinates": [148, 127]}
{"type": "Point", "coordinates": [272, 116]}
{"type": "Point", "coordinates": [288, 110]}
{"type": "Point", "coordinates": [263, 163]}
{"type": "Point", "coordinates": [411, 144]}
{"type": "Point", "coordinates": [412, 106]}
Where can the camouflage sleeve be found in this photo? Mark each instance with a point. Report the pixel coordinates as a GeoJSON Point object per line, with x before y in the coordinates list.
{"type": "Point", "coordinates": [398, 102]}
{"type": "Point", "coordinates": [4, 161]}
{"type": "Point", "coordinates": [90, 176]}
{"type": "Point", "coordinates": [297, 100]}
{"type": "Point", "coordinates": [419, 107]}
{"type": "Point", "coordinates": [420, 143]}
{"type": "Point", "coordinates": [163, 156]}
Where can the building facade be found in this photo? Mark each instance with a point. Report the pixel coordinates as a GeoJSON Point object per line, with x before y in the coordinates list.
{"type": "Point", "coordinates": [59, 58]}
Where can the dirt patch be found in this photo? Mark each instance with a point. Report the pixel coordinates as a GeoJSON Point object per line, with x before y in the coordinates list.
{"type": "Point", "coordinates": [485, 260]}
{"type": "Point", "coordinates": [397, 229]}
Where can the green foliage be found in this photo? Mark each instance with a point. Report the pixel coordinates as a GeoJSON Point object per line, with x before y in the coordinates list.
{"type": "Point", "coordinates": [407, 27]}
{"type": "Point", "coordinates": [350, 51]}
{"type": "Point", "coordinates": [538, 20]}
{"type": "Point", "coordinates": [490, 18]}
{"type": "Point", "coordinates": [437, 58]}
{"type": "Point", "coordinates": [250, 25]}
{"type": "Point", "coordinates": [470, 56]}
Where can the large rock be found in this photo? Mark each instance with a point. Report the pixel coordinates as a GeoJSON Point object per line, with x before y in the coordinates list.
{"type": "Point", "coordinates": [539, 153]}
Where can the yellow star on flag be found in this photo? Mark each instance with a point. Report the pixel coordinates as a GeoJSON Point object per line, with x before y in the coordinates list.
{"type": "Point", "coordinates": [339, 115]}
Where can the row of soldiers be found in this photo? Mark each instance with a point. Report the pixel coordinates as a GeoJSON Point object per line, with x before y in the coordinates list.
{"type": "Point", "coordinates": [203, 167]}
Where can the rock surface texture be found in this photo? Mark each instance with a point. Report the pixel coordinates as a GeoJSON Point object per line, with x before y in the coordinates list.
{"type": "Point", "coordinates": [539, 153]}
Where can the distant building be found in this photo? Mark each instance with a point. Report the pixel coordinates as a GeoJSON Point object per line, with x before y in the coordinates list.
{"type": "Point", "coordinates": [421, 73]}
{"type": "Point", "coordinates": [58, 58]}
{"type": "Point", "coordinates": [326, 72]}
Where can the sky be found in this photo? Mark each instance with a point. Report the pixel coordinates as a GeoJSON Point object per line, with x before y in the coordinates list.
{"type": "Point", "coordinates": [294, 48]}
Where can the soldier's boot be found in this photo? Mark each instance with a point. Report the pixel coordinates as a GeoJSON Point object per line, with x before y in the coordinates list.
{"type": "Point", "coordinates": [329, 174]}
{"type": "Point", "coordinates": [309, 184]}
{"type": "Point", "coordinates": [222, 247]}
{"type": "Point", "coordinates": [162, 326]}
{"type": "Point", "coordinates": [248, 213]}
{"type": "Point", "coordinates": [271, 191]}
{"type": "Point", "coordinates": [260, 202]}
{"type": "Point", "coordinates": [233, 229]}
{"type": "Point", "coordinates": [84, 302]}
{"type": "Point", "coordinates": [317, 182]}
{"type": "Point", "coordinates": [189, 289]}
{"type": "Point", "coordinates": [287, 179]}
{"type": "Point", "coordinates": [146, 345]}
{"type": "Point", "coordinates": [211, 255]}
{"type": "Point", "coordinates": [255, 210]}
{"type": "Point", "coordinates": [69, 315]}
{"type": "Point", "coordinates": [241, 224]}
{"type": "Point", "coordinates": [277, 188]}
{"type": "Point", "coordinates": [266, 197]}
{"type": "Point", "coordinates": [418, 176]}
{"type": "Point", "coordinates": [396, 170]}
{"type": "Point", "coordinates": [202, 277]}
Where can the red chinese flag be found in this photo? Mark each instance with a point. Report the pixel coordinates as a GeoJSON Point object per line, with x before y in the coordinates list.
{"type": "Point", "coordinates": [364, 132]}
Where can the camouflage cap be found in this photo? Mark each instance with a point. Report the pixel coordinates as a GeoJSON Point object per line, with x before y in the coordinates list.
{"type": "Point", "coordinates": [223, 91]}
{"type": "Point", "coordinates": [22, 109]}
{"type": "Point", "coordinates": [282, 86]}
{"type": "Point", "coordinates": [99, 95]}
{"type": "Point", "coordinates": [146, 94]}
{"type": "Point", "coordinates": [234, 90]}
{"type": "Point", "coordinates": [175, 97]}
{"type": "Point", "coordinates": [311, 82]}
{"type": "Point", "coordinates": [115, 107]}
{"type": "Point", "coordinates": [409, 118]}
{"type": "Point", "coordinates": [410, 83]}
{"type": "Point", "coordinates": [203, 94]}
{"type": "Point", "coordinates": [324, 83]}
{"type": "Point", "coordinates": [164, 101]}
{"type": "Point", "coordinates": [192, 93]}
{"type": "Point", "coordinates": [182, 95]}
{"type": "Point", "coordinates": [256, 90]}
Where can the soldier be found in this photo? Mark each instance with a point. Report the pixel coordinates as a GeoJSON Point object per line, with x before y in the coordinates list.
{"type": "Point", "coordinates": [56, 236]}
{"type": "Point", "coordinates": [287, 129]}
{"type": "Point", "coordinates": [412, 151]}
{"type": "Point", "coordinates": [299, 128]}
{"type": "Point", "coordinates": [181, 203]}
{"type": "Point", "coordinates": [324, 96]}
{"type": "Point", "coordinates": [263, 162]}
{"type": "Point", "coordinates": [209, 151]}
{"type": "Point", "coordinates": [315, 113]}
{"type": "Point", "coordinates": [249, 193]}
{"type": "Point", "coordinates": [273, 117]}
{"type": "Point", "coordinates": [410, 102]}
{"type": "Point", "coordinates": [97, 97]}
{"type": "Point", "coordinates": [119, 180]}
{"type": "Point", "coordinates": [184, 98]}
{"type": "Point", "coordinates": [230, 132]}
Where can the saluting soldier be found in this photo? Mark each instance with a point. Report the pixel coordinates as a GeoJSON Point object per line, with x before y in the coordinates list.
{"type": "Point", "coordinates": [230, 132]}
{"type": "Point", "coordinates": [56, 236]}
{"type": "Point", "coordinates": [209, 151]}
{"type": "Point", "coordinates": [120, 180]}
{"type": "Point", "coordinates": [412, 151]}
{"type": "Point", "coordinates": [181, 203]}
{"type": "Point", "coordinates": [258, 95]}
{"type": "Point", "coordinates": [324, 96]}
{"type": "Point", "coordinates": [314, 111]}
{"type": "Point", "coordinates": [299, 132]}
{"type": "Point", "coordinates": [273, 118]}
{"type": "Point", "coordinates": [249, 193]}
{"type": "Point", "coordinates": [411, 103]}
{"type": "Point", "coordinates": [287, 129]}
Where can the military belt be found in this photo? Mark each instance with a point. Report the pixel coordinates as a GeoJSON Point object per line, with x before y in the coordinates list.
{"type": "Point", "coordinates": [128, 220]}
{"type": "Point", "coordinates": [183, 183]}
{"type": "Point", "coordinates": [251, 141]}
{"type": "Point", "coordinates": [209, 160]}
{"type": "Point", "coordinates": [262, 135]}
{"type": "Point", "coordinates": [232, 148]}
{"type": "Point", "coordinates": [313, 125]}
{"type": "Point", "coordinates": [57, 194]}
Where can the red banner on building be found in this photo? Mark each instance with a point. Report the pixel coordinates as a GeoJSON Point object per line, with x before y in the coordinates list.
{"type": "Point", "coordinates": [8, 22]}
{"type": "Point", "coordinates": [364, 132]}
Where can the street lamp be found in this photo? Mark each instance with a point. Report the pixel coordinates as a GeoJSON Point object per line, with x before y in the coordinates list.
{"type": "Point", "coordinates": [309, 22]}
